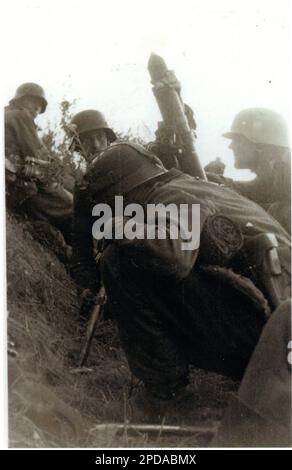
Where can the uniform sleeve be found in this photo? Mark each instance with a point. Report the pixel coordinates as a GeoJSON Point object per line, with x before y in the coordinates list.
{"type": "Point", "coordinates": [157, 248]}
{"type": "Point", "coordinates": [21, 137]}
{"type": "Point", "coordinates": [11, 144]}
{"type": "Point", "coordinates": [255, 190]}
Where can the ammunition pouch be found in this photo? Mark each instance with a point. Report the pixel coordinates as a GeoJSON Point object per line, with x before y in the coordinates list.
{"type": "Point", "coordinates": [261, 252]}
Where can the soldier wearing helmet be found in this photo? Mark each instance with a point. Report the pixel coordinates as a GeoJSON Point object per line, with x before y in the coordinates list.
{"type": "Point", "coordinates": [175, 307]}
{"type": "Point", "coordinates": [30, 190]}
{"type": "Point", "coordinates": [216, 167]}
{"type": "Point", "coordinates": [21, 136]}
{"type": "Point", "coordinates": [90, 133]}
{"type": "Point", "coordinates": [30, 96]}
{"type": "Point", "coordinates": [260, 142]}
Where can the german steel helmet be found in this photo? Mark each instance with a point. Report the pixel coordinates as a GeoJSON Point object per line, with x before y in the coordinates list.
{"type": "Point", "coordinates": [91, 120]}
{"type": "Point", "coordinates": [261, 126]}
{"type": "Point", "coordinates": [30, 89]}
{"type": "Point", "coordinates": [121, 168]}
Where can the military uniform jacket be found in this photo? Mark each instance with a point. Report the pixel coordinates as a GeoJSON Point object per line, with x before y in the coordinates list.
{"type": "Point", "coordinates": [166, 255]}
{"type": "Point", "coordinates": [21, 136]}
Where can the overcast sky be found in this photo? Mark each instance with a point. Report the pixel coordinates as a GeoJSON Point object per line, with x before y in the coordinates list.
{"type": "Point", "coordinates": [228, 55]}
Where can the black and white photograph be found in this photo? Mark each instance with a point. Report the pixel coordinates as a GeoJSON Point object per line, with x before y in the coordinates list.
{"type": "Point", "coordinates": [146, 226]}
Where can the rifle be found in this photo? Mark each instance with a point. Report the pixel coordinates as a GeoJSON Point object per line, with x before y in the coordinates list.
{"type": "Point", "coordinates": [32, 169]}
{"type": "Point", "coordinates": [90, 328]}
{"type": "Point", "coordinates": [175, 135]}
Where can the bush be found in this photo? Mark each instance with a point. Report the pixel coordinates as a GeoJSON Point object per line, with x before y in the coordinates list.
{"type": "Point", "coordinates": [57, 139]}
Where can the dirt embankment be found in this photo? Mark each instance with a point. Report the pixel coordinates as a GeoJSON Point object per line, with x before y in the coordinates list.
{"type": "Point", "coordinates": [49, 405]}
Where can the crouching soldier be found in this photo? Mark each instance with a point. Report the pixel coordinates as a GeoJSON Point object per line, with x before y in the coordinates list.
{"type": "Point", "coordinates": [174, 307]}
{"type": "Point", "coordinates": [32, 185]}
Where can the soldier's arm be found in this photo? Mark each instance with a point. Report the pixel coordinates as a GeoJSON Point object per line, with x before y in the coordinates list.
{"type": "Point", "coordinates": [249, 189]}
{"type": "Point", "coordinates": [156, 248]}
{"type": "Point", "coordinates": [21, 136]}
{"type": "Point", "coordinates": [18, 188]}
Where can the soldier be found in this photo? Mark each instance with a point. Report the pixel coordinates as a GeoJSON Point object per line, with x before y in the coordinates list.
{"type": "Point", "coordinates": [90, 136]}
{"type": "Point", "coordinates": [177, 307]}
{"type": "Point", "coordinates": [260, 142]}
{"type": "Point", "coordinates": [217, 167]}
{"type": "Point", "coordinates": [32, 189]}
